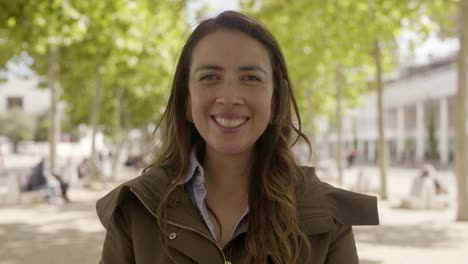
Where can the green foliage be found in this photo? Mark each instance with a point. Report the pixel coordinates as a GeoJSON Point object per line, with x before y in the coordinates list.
{"type": "Point", "coordinates": [17, 125]}
{"type": "Point", "coordinates": [42, 129]}
{"type": "Point", "coordinates": [443, 17]}
{"type": "Point", "coordinates": [316, 36]}
{"type": "Point", "coordinates": [131, 48]}
{"type": "Point", "coordinates": [127, 44]}
{"type": "Point", "coordinates": [36, 25]}
{"type": "Point", "coordinates": [132, 45]}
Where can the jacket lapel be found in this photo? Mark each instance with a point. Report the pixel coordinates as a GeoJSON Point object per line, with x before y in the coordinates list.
{"type": "Point", "coordinates": [181, 210]}
{"type": "Point", "coordinates": [185, 226]}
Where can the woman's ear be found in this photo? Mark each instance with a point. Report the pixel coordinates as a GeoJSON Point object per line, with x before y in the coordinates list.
{"type": "Point", "coordinates": [188, 111]}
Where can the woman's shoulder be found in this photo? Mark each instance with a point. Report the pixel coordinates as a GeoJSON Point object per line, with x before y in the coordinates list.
{"type": "Point", "coordinates": [147, 188]}
{"type": "Point", "coordinates": [317, 199]}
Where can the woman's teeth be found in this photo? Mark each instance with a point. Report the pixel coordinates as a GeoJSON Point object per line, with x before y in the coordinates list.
{"type": "Point", "coordinates": [230, 122]}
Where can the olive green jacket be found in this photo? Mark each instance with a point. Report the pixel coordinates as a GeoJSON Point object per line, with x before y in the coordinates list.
{"type": "Point", "coordinates": [129, 215]}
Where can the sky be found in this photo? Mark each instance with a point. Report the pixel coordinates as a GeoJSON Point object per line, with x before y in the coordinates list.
{"type": "Point", "coordinates": [431, 49]}
{"type": "Point", "coordinates": [216, 7]}
{"type": "Point", "coordinates": [220, 5]}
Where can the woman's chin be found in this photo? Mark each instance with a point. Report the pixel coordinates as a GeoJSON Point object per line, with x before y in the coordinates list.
{"type": "Point", "coordinates": [230, 150]}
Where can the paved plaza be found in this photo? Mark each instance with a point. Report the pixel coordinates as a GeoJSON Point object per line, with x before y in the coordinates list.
{"type": "Point", "coordinates": [71, 233]}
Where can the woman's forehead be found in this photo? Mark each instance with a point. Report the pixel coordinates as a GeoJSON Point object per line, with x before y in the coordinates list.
{"type": "Point", "coordinates": [230, 48]}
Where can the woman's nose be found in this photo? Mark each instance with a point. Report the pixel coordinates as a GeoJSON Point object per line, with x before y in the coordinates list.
{"type": "Point", "coordinates": [229, 93]}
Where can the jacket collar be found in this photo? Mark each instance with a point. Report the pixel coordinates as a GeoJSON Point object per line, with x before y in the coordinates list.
{"type": "Point", "coordinates": [148, 188]}
{"type": "Point", "coordinates": [319, 204]}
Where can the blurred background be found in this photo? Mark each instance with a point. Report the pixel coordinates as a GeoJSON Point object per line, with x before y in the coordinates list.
{"type": "Point", "coordinates": [381, 87]}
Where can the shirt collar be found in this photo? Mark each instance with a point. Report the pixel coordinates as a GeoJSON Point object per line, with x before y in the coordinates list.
{"type": "Point", "coordinates": [195, 170]}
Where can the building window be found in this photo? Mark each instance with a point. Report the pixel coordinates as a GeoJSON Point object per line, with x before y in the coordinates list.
{"type": "Point", "coordinates": [14, 102]}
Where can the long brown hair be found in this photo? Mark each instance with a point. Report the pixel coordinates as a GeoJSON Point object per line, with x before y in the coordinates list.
{"type": "Point", "coordinates": [274, 235]}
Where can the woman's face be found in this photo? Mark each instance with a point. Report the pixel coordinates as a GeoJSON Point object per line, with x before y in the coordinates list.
{"type": "Point", "coordinates": [230, 91]}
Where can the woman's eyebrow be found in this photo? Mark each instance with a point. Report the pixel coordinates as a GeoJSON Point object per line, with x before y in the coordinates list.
{"type": "Point", "coordinates": [252, 68]}
{"type": "Point", "coordinates": [219, 68]}
{"type": "Point", "coordinates": [208, 67]}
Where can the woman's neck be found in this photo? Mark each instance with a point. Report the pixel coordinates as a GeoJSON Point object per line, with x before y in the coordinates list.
{"type": "Point", "coordinates": [228, 174]}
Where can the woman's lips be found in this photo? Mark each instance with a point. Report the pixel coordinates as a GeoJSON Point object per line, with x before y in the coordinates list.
{"type": "Point", "coordinates": [229, 121]}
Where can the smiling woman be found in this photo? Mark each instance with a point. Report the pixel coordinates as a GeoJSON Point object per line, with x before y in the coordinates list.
{"type": "Point", "coordinates": [230, 87]}
{"type": "Point", "coordinates": [225, 187]}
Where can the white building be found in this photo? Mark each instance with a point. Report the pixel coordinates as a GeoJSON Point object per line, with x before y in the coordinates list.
{"type": "Point", "coordinates": [418, 113]}
{"type": "Point", "coordinates": [25, 94]}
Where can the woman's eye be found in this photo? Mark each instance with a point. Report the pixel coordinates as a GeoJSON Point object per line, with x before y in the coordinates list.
{"type": "Point", "coordinates": [209, 77]}
{"type": "Point", "coordinates": [251, 78]}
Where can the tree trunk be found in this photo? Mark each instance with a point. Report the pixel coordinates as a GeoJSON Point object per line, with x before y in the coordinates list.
{"type": "Point", "coordinates": [94, 125]}
{"type": "Point", "coordinates": [461, 147]}
{"type": "Point", "coordinates": [127, 125]}
{"type": "Point", "coordinates": [54, 96]}
{"type": "Point", "coordinates": [380, 119]}
{"type": "Point", "coordinates": [118, 139]}
{"type": "Point", "coordinates": [16, 142]}
{"type": "Point", "coordinates": [339, 121]}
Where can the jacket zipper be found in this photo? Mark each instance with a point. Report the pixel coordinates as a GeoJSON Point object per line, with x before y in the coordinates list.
{"type": "Point", "coordinates": [183, 227]}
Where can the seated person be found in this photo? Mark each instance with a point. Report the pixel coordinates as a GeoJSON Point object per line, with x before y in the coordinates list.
{"type": "Point", "coordinates": [52, 184]}
{"type": "Point", "coordinates": [426, 192]}
{"type": "Point", "coordinates": [36, 179]}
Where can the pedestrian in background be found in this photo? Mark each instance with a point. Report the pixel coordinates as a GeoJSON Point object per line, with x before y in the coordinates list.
{"type": "Point", "coordinates": [83, 168]}
{"type": "Point", "coordinates": [225, 187]}
{"type": "Point", "coordinates": [352, 154]}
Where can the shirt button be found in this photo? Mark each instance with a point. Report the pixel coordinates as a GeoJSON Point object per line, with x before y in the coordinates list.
{"type": "Point", "coordinates": [172, 236]}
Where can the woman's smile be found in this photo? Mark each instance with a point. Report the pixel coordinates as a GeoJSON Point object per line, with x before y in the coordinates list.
{"type": "Point", "coordinates": [230, 122]}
